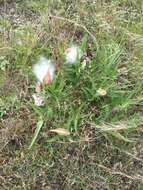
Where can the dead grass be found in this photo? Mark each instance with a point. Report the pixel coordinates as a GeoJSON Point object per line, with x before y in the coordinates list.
{"type": "Point", "coordinates": [107, 156]}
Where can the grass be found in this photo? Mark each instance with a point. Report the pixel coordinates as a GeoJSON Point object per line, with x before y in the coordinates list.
{"type": "Point", "coordinates": [104, 149]}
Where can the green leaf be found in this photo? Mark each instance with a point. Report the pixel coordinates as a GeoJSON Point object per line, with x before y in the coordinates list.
{"type": "Point", "coordinates": [77, 117]}
{"type": "Point", "coordinates": [39, 125]}
{"type": "Point", "coordinates": [83, 45]}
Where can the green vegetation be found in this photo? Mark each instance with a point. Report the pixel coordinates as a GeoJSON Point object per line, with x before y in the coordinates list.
{"type": "Point", "coordinates": [100, 106]}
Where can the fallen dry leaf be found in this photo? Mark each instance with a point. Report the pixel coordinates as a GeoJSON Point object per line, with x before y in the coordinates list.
{"type": "Point", "coordinates": [101, 92]}
{"type": "Point", "coordinates": [61, 131]}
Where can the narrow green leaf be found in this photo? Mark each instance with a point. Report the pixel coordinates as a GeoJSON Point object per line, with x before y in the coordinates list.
{"type": "Point", "coordinates": [83, 45]}
{"type": "Point", "coordinates": [39, 125]}
{"type": "Point", "coordinates": [77, 117]}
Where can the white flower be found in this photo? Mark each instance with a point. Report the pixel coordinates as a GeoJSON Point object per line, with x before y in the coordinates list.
{"type": "Point", "coordinates": [44, 70]}
{"type": "Point", "coordinates": [72, 54]}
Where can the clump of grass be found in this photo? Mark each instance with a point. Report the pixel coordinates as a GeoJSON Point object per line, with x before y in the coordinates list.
{"type": "Point", "coordinates": [73, 95]}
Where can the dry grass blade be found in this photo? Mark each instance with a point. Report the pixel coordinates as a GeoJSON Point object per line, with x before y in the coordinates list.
{"type": "Point", "coordinates": [137, 178]}
{"type": "Point", "coordinates": [128, 154]}
{"type": "Point", "coordinates": [133, 36]}
{"type": "Point", "coordinates": [113, 127]}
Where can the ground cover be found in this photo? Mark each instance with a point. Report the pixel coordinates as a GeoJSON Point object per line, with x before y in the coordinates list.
{"type": "Point", "coordinates": [104, 149]}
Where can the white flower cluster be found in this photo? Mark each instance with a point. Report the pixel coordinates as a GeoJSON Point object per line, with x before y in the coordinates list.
{"type": "Point", "coordinates": [45, 70]}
